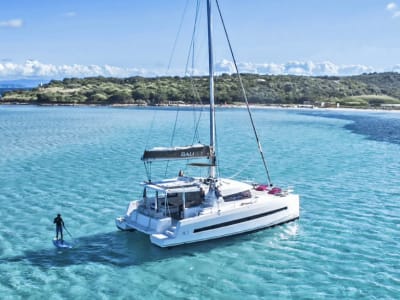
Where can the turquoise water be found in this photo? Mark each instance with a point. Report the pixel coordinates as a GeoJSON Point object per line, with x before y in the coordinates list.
{"type": "Point", "coordinates": [85, 164]}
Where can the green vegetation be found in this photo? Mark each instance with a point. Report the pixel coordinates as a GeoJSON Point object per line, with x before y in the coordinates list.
{"type": "Point", "coordinates": [367, 90]}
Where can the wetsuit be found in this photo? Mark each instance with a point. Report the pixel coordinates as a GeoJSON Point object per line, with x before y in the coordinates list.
{"type": "Point", "coordinates": [59, 226]}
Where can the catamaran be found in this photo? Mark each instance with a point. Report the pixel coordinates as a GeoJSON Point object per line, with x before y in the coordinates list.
{"type": "Point", "coordinates": [188, 209]}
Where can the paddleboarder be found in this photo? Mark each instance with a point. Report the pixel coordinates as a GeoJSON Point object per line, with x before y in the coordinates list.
{"type": "Point", "coordinates": [59, 226]}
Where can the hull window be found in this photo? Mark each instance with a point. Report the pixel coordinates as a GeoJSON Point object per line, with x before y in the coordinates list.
{"type": "Point", "coordinates": [239, 220]}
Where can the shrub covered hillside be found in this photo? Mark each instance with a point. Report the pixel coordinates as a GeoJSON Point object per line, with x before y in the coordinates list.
{"type": "Point", "coordinates": [358, 91]}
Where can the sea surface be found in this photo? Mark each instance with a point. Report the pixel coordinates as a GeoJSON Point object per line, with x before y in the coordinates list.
{"type": "Point", "coordinates": [84, 162]}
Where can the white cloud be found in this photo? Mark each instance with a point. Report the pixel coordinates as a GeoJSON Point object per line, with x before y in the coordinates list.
{"type": "Point", "coordinates": [273, 69]}
{"type": "Point", "coordinates": [34, 69]}
{"type": "Point", "coordinates": [70, 14]}
{"type": "Point", "coordinates": [37, 69]}
{"type": "Point", "coordinates": [225, 66]}
{"type": "Point", "coordinates": [391, 6]}
{"type": "Point", "coordinates": [298, 68]}
{"type": "Point", "coordinates": [396, 68]}
{"type": "Point", "coordinates": [13, 23]}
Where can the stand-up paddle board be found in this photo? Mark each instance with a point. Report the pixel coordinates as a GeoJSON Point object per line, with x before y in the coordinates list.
{"type": "Point", "coordinates": [61, 244]}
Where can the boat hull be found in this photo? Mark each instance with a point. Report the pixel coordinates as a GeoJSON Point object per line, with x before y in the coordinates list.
{"type": "Point", "coordinates": [234, 222]}
{"type": "Point", "coordinates": [217, 223]}
{"type": "Point", "coordinates": [169, 243]}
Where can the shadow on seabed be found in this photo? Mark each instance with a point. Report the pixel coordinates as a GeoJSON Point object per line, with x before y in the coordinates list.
{"type": "Point", "coordinates": [118, 248]}
{"type": "Point", "coordinates": [123, 249]}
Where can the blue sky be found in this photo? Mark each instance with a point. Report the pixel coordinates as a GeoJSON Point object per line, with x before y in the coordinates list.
{"type": "Point", "coordinates": [53, 39]}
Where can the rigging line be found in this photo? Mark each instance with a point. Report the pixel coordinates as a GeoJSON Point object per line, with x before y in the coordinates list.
{"type": "Point", "coordinates": [172, 138]}
{"type": "Point", "coordinates": [192, 52]}
{"type": "Point", "coordinates": [174, 129]}
{"type": "Point", "coordinates": [244, 95]}
{"type": "Point", "coordinates": [147, 167]}
{"type": "Point", "coordinates": [216, 148]}
{"type": "Point", "coordinates": [177, 35]}
{"type": "Point", "coordinates": [169, 64]}
{"type": "Point", "coordinates": [196, 135]}
{"type": "Point", "coordinates": [192, 42]}
{"type": "Point", "coordinates": [168, 67]}
{"type": "Point", "coordinates": [151, 128]}
{"type": "Point", "coordinates": [197, 98]}
{"type": "Point", "coordinates": [250, 161]}
{"type": "Point", "coordinates": [195, 92]}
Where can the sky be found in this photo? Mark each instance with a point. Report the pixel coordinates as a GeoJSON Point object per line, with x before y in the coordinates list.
{"type": "Point", "coordinates": [73, 38]}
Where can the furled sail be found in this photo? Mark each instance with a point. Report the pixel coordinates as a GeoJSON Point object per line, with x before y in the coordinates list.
{"type": "Point", "coordinates": [187, 152]}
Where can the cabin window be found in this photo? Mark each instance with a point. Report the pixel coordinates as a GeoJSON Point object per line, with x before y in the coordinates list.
{"type": "Point", "coordinates": [238, 196]}
{"type": "Point", "coordinates": [193, 199]}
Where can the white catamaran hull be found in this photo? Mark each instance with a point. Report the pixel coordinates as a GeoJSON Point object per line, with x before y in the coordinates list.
{"type": "Point", "coordinates": [214, 222]}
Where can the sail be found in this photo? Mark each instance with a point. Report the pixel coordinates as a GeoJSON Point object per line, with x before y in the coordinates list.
{"type": "Point", "coordinates": [187, 152]}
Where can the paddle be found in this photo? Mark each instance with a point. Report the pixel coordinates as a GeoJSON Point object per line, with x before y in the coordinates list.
{"type": "Point", "coordinates": [68, 232]}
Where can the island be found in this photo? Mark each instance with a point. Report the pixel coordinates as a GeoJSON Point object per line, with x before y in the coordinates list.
{"type": "Point", "coordinates": [361, 91]}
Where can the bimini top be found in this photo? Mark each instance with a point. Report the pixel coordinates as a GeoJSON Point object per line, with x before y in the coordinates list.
{"type": "Point", "coordinates": [173, 153]}
{"type": "Point", "coordinates": [177, 185]}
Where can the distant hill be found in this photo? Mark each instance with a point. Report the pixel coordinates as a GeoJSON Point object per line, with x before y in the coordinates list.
{"type": "Point", "coordinates": [353, 91]}
{"type": "Point", "coordinates": [21, 83]}
{"type": "Point", "coordinates": [9, 89]}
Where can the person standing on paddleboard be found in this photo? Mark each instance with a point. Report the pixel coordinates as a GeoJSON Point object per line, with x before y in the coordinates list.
{"type": "Point", "coordinates": [59, 226]}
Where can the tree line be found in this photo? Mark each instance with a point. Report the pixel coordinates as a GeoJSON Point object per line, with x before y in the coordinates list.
{"type": "Point", "coordinates": [361, 90]}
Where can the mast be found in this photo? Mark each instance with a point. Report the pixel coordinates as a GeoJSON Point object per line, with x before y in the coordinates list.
{"type": "Point", "coordinates": [211, 79]}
